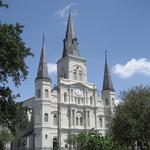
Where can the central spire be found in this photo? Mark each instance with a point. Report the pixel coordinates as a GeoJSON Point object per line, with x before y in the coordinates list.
{"type": "Point", "coordinates": [70, 41]}
{"type": "Point", "coordinates": [70, 33]}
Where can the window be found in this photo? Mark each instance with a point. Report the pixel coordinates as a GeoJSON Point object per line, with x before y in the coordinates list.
{"type": "Point", "coordinates": [113, 102]}
{"type": "Point", "coordinates": [65, 75]}
{"type": "Point", "coordinates": [78, 100]}
{"type": "Point", "coordinates": [66, 146]}
{"type": "Point", "coordinates": [80, 75]}
{"type": "Point", "coordinates": [74, 74]}
{"type": "Point", "coordinates": [46, 93]}
{"type": "Point", "coordinates": [79, 118]}
{"type": "Point", "coordinates": [55, 119]}
{"type": "Point", "coordinates": [38, 93]}
{"type": "Point", "coordinates": [46, 117]}
{"type": "Point", "coordinates": [55, 143]}
{"type": "Point", "coordinates": [46, 136]}
{"type": "Point", "coordinates": [65, 97]}
{"type": "Point", "coordinates": [81, 121]}
{"type": "Point", "coordinates": [91, 100]}
{"type": "Point", "coordinates": [77, 121]}
{"type": "Point", "coordinates": [100, 122]}
{"type": "Point", "coordinates": [73, 116]}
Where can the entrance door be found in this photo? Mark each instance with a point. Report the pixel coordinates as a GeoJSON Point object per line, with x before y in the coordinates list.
{"type": "Point", "coordinates": [55, 143]}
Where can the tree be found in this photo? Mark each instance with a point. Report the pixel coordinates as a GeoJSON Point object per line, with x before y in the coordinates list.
{"type": "Point", "coordinates": [3, 4]}
{"type": "Point", "coordinates": [12, 113]}
{"type": "Point", "coordinates": [13, 54]}
{"type": "Point", "coordinates": [92, 140]}
{"type": "Point", "coordinates": [5, 137]}
{"type": "Point", "coordinates": [131, 122]}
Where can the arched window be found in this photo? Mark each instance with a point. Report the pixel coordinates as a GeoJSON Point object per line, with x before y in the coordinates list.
{"type": "Point", "coordinates": [100, 122]}
{"type": "Point", "coordinates": [80, 75]}
{"type": "Point", "coordinates": [55, 120]}
{"type": "Point", "coordinates": [79, 118]}
{"type": "Point", "coordinates": [73, 117]}
{"type": "Point", "coordinates": [77, 121]}
{"type": "Point", "coordinates": [46, 93]}
{"type": "Point", "coordinates": [38, 93]}
{"type": "Point", "coordinates": [55, 143]}
{"type": "Point", "coordinates": [66, 145]}
{"type": "Point", "coordinates": [46, 136]}
{"type": "Point", "coordinates": [88, 118]}
{"type": "Point", "coordinates": [46, 117]}
{"type": "Point", "coordinates": [65, 97]}
{"type": "Point", "coordinates": [78, 100]}
{"type": "Point", "coordinates": [91, 100]}
{"type": "Point", "coordinates": [81, 121]}
{"type": "Point", "coordinates": [75, 74]}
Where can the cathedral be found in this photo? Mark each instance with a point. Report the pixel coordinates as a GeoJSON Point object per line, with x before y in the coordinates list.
{"type": "Point", "coordinates": [57, 113]}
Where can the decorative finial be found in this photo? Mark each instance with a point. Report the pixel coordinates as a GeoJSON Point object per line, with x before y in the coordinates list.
{"type": "Point", "coordinates": [70, 6]}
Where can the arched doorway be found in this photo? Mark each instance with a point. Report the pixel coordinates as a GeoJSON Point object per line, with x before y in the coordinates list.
{"type": "Point", "coordinates": [55, 143]}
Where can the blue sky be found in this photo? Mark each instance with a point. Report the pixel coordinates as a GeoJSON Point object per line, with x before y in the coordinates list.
{"type": "Point", "coordinates": [120, 26]}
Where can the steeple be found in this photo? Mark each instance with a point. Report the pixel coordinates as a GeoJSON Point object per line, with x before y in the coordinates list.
{"type": "Point", "coordinates": [107, 82]}
{"type": "Point", "coordinates": [42, 69]}
{"type": "Point", "coordinates": [70, 41]}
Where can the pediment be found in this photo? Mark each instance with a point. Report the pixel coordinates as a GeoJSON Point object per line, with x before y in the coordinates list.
{"type": "Point", "coordinates": [78, 83]}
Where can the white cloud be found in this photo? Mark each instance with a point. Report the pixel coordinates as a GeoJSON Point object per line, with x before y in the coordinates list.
{"type": "Point", "coordinates": [141, 66]}
{"type": "Point", "coordinates": [117, 101]}
{"type": "Point", "coordinates": [52, 68]}
{"type": "Point", "coordinates": [63, 13]}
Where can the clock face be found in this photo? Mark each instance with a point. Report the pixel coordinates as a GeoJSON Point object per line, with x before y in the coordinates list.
{"type": "Point", "coordinates": [78, 92]}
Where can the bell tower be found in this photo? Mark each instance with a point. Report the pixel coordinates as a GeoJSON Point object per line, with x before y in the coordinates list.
{"type": "Point", "coordinates": [108, 92]}
{"type": "Point", "coordinates": [71, 65]}
{"type": "Point", "coordinates": [42, 100]}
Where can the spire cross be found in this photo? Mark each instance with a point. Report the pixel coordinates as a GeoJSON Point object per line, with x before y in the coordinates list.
{"type": "Point", "coordinates": [70, 6]}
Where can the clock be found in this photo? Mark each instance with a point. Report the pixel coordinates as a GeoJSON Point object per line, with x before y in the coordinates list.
{"type": "Point", "coordinates": [78, 92]}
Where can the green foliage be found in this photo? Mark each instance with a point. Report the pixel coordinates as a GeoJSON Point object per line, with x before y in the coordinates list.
{"type": "Point", "coordinates": [93, 141]}
{"type": "Point", "coordinates": [13, 55]}
{"type": "Point", "coordinates": [5, 136]}
{"type": "Point", "coordinates": [131, 121]}
{"type": "Point", "coordinates": [12, 113]}
{"type": "Point", "coordinates": [12, 65]}
{"type": "Point", "coordinates": [2, 4]}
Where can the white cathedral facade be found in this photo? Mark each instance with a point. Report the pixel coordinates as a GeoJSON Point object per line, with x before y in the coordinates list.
{"type": "Point", "coordinates": [56, 113]}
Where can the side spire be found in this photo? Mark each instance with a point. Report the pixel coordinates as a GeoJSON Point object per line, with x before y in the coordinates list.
{"type": "Point", "coordinates": [42, 69]}
{"type": "Point", "coordinates": [107, 82]}
{"type": "Point", "coordinates": [70, 41]}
